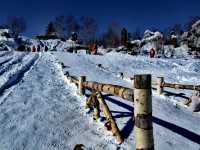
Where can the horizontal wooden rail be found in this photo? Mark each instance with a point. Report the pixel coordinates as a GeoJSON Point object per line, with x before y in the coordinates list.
{"type": "Point", "coordinates": [125, 93]}
{"type": "Point", "coordinates": [173, 85]}
{"type": "Point", "coordinates": [182, 86]}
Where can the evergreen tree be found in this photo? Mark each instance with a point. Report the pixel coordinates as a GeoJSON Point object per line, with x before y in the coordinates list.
{"type": "Point", "coordinates": [124, 36]}
{"type": "Point", "coordinates": [50, 29]}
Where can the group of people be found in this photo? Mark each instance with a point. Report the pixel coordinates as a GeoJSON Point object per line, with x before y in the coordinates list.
{"type": "Point", "coordinates": [38, 48]}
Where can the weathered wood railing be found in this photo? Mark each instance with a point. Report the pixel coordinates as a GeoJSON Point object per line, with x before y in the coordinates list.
{"type": "Point", "coordinates": [141, 97]}
{"type": "Point", "coordinates": [142, 103]}
{"type": "Point", "coordinates": [123, 92]}
{"type": "Point", "coordinates": [161, 84]}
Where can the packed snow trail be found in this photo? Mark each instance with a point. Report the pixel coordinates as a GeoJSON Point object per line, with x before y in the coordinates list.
{"type": "Point", "coordinates": [43, 113]}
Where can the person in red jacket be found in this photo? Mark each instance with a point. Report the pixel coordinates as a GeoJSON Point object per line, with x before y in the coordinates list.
{"type": "Point", "coordinates": [34, 49]}
{"type": "Point", "coordinates": [94, 49]}
{"type": "Point", "coordinates": [152, 53]}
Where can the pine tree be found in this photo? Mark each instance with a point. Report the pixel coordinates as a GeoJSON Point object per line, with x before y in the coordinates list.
{"type": "Point", "coordinates": [50, 29]}
{"type": "Point", "coordinates": [124, 36]}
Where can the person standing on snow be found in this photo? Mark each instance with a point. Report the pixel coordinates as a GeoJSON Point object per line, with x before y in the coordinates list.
{"type": "Point", "coordinates": [38, 48]}
{"type": "Point", "coordinates": [46, 49]}
{"type": "Point", "coordinates": [34, 49]}
{"type": "Point", "coordinates": [152, 53]}
{"type": "Point", "coordinates": [94, 49]}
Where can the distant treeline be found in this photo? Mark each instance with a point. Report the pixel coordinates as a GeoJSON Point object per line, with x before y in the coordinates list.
{"type": "Point", "coordinates": [88, 30]}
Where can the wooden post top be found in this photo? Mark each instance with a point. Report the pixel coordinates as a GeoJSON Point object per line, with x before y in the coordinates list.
{"type": "Point", "coordinates": [142, 81]}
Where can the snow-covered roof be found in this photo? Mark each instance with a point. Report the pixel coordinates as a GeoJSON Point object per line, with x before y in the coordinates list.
{"type": "Point", "coordinates": [151, 36]}
{"type": "Point", "coordinates": [196, 24]}
{"type": "Point", "coordinates": [2, 31]}
{"type": "Point", "coordinates": [136, 42]}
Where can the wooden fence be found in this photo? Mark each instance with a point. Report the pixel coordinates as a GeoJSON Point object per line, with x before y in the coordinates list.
{"type": "Point", "coordinates": [142, 111]}
{"type": "Point", "coordinates": [161, 84]}
{"type": "Point", "coordinates": [141, 97]}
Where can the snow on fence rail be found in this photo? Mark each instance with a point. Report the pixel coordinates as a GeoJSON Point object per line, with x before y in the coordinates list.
{"type": "Point", "coordinates": [142, 104]}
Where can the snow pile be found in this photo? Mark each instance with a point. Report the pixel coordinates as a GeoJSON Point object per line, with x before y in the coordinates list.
{"type": "Point", "coordinates": [5, 35]}
{"type": "Point", "coordinates": [194, 67]}
{"type": "Point", "coordinates": [6, 41]}
{"type": "Point", "coordinates": [51, 44]}
{"type": "Point", "coordinates": [151, 40]}
{"type": "Point", "coordinates": [136, 42]}
{"type": "Point", "coordinates": [194, 36]}
{"type": "Point", "coordinates": [151, 36]}
{"type": "Point", "coordinates": [181, 52]}
{"type": "Point", "coordinates": [195, 106]}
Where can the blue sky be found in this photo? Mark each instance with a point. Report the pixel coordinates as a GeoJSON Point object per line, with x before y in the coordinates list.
{"type": "Point", "coordinates": [129, 13]}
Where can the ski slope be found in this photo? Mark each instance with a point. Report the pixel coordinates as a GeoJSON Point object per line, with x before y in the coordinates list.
{"type": "Point", "coordinates": [40, 110]}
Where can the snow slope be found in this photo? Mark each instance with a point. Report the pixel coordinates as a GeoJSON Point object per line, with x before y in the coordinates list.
{"type": "Point", "coordinates": [42, 110]}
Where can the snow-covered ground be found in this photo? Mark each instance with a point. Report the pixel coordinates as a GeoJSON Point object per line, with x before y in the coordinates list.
{"type": "Point", "coordinates": [40, 110]}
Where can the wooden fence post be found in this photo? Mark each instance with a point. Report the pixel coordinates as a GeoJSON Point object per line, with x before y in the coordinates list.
{"type": "Point", "coordinates": [110, 118]}
{"type": "Point", "coordinates": [143, 112]}
{"type": "Point", "coordinates": [160, 81]}
{"type": "Point", "coordinates": [81, 88]}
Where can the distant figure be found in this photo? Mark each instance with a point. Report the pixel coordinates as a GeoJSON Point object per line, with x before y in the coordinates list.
{"type": "Point", "coordinates": [46, 49]}
{"type": "Point", "coordinates": [94, 49]}
{"type": "Point", "coordinates": [38, 48]}
{"type": "Point", "coordinates": [34, 49]}
{"type": "Point", "coordinates": [28, 49]}
{"type": "Point", "coordinates": [152, 53]}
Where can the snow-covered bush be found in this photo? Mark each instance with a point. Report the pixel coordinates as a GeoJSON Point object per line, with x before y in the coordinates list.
{"type": "Point", "coordinates": [195, 105]}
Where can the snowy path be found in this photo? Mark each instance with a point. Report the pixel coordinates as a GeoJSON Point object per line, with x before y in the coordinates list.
{"type": "Point", "coordinates": [42, 113]}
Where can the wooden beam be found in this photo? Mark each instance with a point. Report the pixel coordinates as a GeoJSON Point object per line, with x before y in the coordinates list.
{"type": "Point", "coordinates": [82, 79]}
{"type": "Point", "coordinates": [182, 86]}
{"type": "Point", "coordinates": [116, 90]}
{"type": "Point", "coordinates": [109, 117]}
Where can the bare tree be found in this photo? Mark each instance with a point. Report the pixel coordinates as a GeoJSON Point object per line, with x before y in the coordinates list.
{"type": "Point", "coordinates": [136, 35]}
{"type": "Point", "coordinates": [60, 26]}
{"type": "Point", "coordinates": [177, 29]}
{"type": "Point", "coordinates": [88, 29]}
{"type": "Point", "coordinates": [112, 36]}
{"type": "Point", "coordinates": [50, 29]}
{"type": "Point", "coordinates": [65, 25]}
{"type": "Point", "coordinates": [16, 24]}
{"type": "Point", "coordinates": [72, 25]}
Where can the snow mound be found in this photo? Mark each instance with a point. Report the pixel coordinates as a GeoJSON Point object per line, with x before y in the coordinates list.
{"type": "Point", "coordinates": [195, 106]}
{"type": "Point", "coordinates": [194, 67]}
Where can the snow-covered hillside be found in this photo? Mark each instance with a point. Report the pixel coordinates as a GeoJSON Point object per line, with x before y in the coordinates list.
{"type": "Point", "coordinates": [39, 108]}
